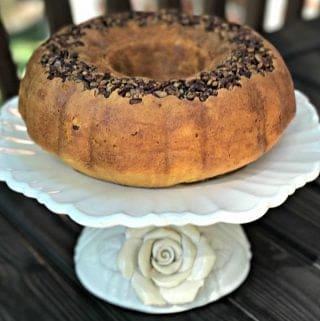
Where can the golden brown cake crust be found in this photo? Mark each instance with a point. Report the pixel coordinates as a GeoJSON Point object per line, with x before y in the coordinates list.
{"type": "Point", "coordinates": [157, 141]}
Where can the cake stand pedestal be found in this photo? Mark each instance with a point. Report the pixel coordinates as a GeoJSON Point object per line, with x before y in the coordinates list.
{"type": "Point", "coordinates": [162, 250]}
{"type": "Point", "coordinates": [116, 264]}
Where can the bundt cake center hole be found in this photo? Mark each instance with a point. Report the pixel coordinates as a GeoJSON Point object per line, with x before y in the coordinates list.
{"type": "Point", "coordinates": [158, 61]}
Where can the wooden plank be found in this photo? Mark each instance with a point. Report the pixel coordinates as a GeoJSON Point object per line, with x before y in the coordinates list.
{"type": "Point", "coordinates": [300, 233]}
{"type": "Point", "coordinates": [187, 6]}
{"type": "Point", "coordinates": [169, 4]}
{"type": "Point", "coordinates": [32, 290]}
{"type": "Point", "coordinates": [313, 92]}
{"type": "Point", "coordinates": [293, 11]}
{"type": "Point", "coordinates": [303, 69]}
{"type": "Point", "coordinates": [255, 13]}
{"type": "Point", "coordinates": [114, 6]}
{"type": "Point", "coordinates": [46, 233]}
{"type": "Point", "coordinates": [58, 13]}
{"type": "Point", "coordinates": [45, 230]}
{"type": "Point", "coordinates": [214, 7]}
{"type": "Point", "coordinates": [9, 82]}
{"type": "Point", "coordinates": [306, 203]}
{"type": "Point", "coordinates": [305, 66]}
{"type": "Point", "coordinates": [300, 37]}
{"type": "Point", "coordinates": [281, 285]}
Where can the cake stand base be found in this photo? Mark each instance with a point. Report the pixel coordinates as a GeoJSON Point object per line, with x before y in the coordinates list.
{"type": "Point", "coordinates": [162, 269]}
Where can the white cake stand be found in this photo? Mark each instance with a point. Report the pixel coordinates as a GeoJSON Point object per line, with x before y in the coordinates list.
{"type": "Point", "coordinates": [162, 250]}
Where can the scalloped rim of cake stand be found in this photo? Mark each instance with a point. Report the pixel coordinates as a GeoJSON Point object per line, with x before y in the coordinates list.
{"type": "Point", "coordinates": [309, 172]}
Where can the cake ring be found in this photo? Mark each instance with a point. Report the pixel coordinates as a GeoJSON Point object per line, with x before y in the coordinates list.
{"type": "Point", "coordinates": [156, 99]}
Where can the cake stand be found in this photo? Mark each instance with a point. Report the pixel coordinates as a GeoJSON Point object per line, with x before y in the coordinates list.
{"type": "Point", "coordinates": [170, 249]}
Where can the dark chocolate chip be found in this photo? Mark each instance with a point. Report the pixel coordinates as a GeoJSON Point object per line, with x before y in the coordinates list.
{"type": "Point", "coordinates": [61, 59]}
{"type": "Point", "coordinates": [133, 101]}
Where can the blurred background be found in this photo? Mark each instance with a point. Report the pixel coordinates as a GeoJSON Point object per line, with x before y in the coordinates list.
{"type": "Point", "coordinates": [27, 25]}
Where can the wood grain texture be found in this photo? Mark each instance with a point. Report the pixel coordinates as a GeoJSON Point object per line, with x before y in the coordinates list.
{"type": "Point", "coordinates": [282, 285]}
{"type": "Point", "coordinates": [32, 290]}
{"type": "Point", "coordinates": [297, 39]}
{"type": "Point", "coordinates": [255, 12]}
{"type": "Point", "coordinates": [187, 6]}
{"type": "Point", "coordinates": [303, 67]}
{"type": "Point", "coordinates": [293, 11]}
{"type": "Point", "coordinates": [113, 6]}
{"type": "Point", "coordinates": [58, 13]}
{"type": "Point", "coordinates": [311, 90]}
{"type": "Point", "coordinates": [215, 7]}
{"type": "Point", "coordinates": [9, 82]}
{"type": "Point", "coordinates": [169, 4]}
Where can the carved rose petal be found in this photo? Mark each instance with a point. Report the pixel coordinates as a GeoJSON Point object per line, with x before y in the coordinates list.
{"type": "Point", "coordinates": [127, 257]}
{"type": "Point", "coordinates": [173, 247]}
{"type": "Point", "coordinates": [138, 232]}
{"type": "Point", "coordinates": [183, 293]}
{"type": "Point", "coordinates": [169, 281]}
{"type": "Point", "coordinates": [162, 233]}
{"type": "Point", "coordinates": [166, 256]}
{"type": "Point", "coordinates": [167, 269]}
{"type": "Point", "coordinates": [188, 253]}
{"type": "Point", "coordinates": [191, 231]}
{"type": "Point", "coordinates": [148, 293]}
{"type": "Point", "coordinates": [204, 261]}
{"type": "Point", "coordinates": [144, 258]}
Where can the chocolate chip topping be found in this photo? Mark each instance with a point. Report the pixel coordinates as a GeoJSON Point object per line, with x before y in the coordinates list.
{"type": "Point", "coordinates": [61, 59]}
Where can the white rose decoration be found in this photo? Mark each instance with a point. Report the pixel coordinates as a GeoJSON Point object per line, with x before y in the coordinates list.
{"type": "Point", "coordinates": [166, 265]}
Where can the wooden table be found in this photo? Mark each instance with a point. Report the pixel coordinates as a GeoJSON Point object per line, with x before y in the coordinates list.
{"type": "Point", "coordinates": [37, 279]}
